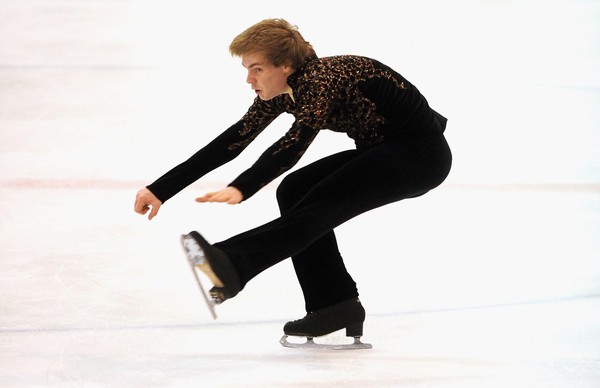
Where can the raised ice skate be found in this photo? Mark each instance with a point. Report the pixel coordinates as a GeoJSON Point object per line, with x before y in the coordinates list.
{"type": "Point", "coordinates": [214, 264]}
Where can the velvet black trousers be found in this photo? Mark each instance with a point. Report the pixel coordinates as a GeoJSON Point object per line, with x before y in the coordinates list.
{"type": "Point", "coordinates": [315, 199]}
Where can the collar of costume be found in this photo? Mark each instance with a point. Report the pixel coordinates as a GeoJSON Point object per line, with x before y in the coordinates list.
{"type": "Point", "coordinates": [294, 78]}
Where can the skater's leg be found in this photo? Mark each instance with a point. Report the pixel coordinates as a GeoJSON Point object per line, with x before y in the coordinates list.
{"type": "Point", "coordinates": [319, 268]}
{"type": "Point", "coordinates": [322, 274]}
{"type": "Point", "coordinates": [380, 175]}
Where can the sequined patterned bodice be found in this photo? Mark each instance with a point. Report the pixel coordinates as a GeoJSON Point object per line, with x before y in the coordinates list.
{"type": "Point", "coordinates": [345, 93]}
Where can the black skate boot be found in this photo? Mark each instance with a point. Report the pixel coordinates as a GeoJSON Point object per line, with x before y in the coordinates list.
{"type": "Point", "coordinates": [348, 314]}
{"type": "Point", "coordinates": [215, 264]}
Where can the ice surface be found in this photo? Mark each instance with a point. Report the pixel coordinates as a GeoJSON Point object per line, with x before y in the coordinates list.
{"type": "Point", "coordinates": [492, 280]}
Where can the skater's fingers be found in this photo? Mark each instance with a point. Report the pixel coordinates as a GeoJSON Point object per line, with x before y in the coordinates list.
{"type": "Point", "coordinates": [229, 195]}
{"type": "Point", "coordinates": [211, 197]}
{"type": "Point", "coordinates": [205, 198]}
{"type": "Point", "coordinates": [215, 196]}
{"type": "Point", "coordinates": [154, 210]}
{"type": "Point", "coordinates": [140, 206]}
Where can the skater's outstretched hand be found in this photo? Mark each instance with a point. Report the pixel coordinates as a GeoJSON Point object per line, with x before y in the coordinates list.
{"type": "Point", "coordinates": [229, 195]}
{"type": "Point", "coordinates": [144, 201]}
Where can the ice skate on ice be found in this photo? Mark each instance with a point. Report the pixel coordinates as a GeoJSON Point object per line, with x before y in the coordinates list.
{"type": "Point", "coordinates": [214, 264]}
{"type": "Point", "coordinates": [348, 315]}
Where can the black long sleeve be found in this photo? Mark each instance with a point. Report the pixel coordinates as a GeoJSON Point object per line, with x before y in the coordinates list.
{"type": "Point", "coordinates": [210, 157]}
{"type": "Point", "coordinates": [276, 160]}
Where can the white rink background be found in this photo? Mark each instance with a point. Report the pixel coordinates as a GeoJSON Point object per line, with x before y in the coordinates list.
{"type": "Point", "coordinates": [491, 280]}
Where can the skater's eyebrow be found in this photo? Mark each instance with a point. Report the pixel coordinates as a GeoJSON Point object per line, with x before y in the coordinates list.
{"type": "Point", "coordinates": [254, 64]}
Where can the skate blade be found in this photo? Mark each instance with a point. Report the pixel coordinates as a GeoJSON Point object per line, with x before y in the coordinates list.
{"type": "Point", "coordinates": [210, 300]}
{"type": "Point", "coordinates": [311, 344]}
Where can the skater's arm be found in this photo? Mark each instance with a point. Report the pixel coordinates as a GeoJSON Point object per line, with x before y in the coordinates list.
{"type": "Point", "coordinates": [276, 160]}
{"type": "Point", "coordinates": [213, 155]}
{"type": "Point", "coordinates": [221, 150]}
{"type": "Point", "coordinates": [144, 201]}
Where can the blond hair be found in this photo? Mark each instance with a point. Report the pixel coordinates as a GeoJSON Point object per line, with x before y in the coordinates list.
{"type": "Point", "coordinates": [279, 41]}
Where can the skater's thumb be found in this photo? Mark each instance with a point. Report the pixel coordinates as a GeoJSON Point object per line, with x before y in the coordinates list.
{"type": "Point", "coordinates": [153, 212]}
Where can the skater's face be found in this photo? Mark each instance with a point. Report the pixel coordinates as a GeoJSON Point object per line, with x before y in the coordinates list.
{"type": "Point", "coordinates": [267, 80]}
